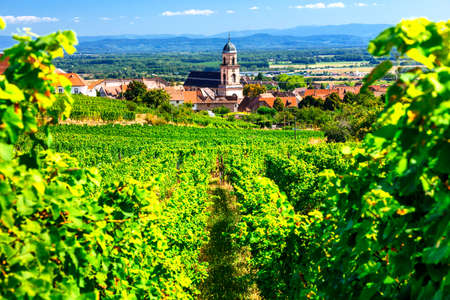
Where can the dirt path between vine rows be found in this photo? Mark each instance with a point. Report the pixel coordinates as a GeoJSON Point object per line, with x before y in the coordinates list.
{"type": "Point", "coordinates": [228, 270]}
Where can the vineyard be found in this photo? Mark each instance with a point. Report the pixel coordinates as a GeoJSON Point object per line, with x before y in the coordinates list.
{"type": "Point", "coordinates": [174, 212]}
{"type": "Point", "coordinates": [99, 111]}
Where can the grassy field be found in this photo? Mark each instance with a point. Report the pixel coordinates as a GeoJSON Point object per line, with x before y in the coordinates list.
{"type": "Point", "coordinates": [338, 64]}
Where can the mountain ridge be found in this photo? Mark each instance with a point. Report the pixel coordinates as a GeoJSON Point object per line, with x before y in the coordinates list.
{"type": "Point", "coordinates": [290, 38]}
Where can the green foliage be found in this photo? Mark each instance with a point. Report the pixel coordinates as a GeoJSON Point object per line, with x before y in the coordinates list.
{"type": "Point", "coordinates": [156, 98]}
{"type": "Point", "coordinates": [65, 233]}
{"type": "Point", "coordinates": [254, 90]}
{"type": "Point", "coordinates": [46, 204]}
{"type": "Point", "coordinates": [290, 82]}
{"type": "Point", "coordinates": [135, 91]}
{"type": "Point", "coordinates": [221, 110]}
{"type": "Point", "coordinates": [278, 104]}
{"type": "Point", "coordinates": [393, 212]}
{"type": "Point", "coordinates": [310, 101]}
{"type": "Point", "coordinates": [98, 108]}
{"type": "Point", "coordinates": [264, 110]}
{"type": "Point", "coordinates": [332, 102]}
{"type": "Point", "coordinates": [337, 132]}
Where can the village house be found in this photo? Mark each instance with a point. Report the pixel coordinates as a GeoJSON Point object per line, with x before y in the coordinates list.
{"type": "Point", "coordinates": [176, 94]}
{"type": "Point", "coordinates": [79, 86]}
{"type": "Point", "coordinates": [379, 90]}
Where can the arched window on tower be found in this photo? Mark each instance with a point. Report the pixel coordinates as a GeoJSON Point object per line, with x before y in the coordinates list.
{"type": "Point", "coordinates": [224, 79]}
{"type": "Point", "coordinates": [224, 61]}
{"type": "Point", "coordinates": [234, 61]}
{"type": "Point", "coordinates": [234, 78]}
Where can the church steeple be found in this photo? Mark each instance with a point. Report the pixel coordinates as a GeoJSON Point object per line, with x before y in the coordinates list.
{"type": "Point", "coordinates": [230, 71]}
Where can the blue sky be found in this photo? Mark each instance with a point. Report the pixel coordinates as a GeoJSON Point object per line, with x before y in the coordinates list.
{"type": "Point", "coordinates": [112, 17]}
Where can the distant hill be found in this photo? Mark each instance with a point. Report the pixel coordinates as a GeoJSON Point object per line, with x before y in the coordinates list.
{"type": "Point", "coordinates": [361, 30]}
{"type": "Point", "coordinates": [330, 36]}
{"type": "Point", "coordinates": [254, 42]}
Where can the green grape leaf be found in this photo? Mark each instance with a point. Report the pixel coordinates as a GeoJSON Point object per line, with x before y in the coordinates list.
{"type": "Point", "coordinates": [6, 152]}
{"type": "Point", "coordinates": [377, 73]}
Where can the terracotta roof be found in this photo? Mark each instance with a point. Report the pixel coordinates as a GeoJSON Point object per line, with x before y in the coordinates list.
{"type": "Point", "coordinates": [154, 83]}
{"type": "Point", "coordinates": [266, 95]}
{"type": "Point", "coordinates": [74, 78]}
{"type": "Point", "coordinates": [174, 93]}
{"type": "Point", "coordinates": [348, 89]}
{"type": "Point", "coordinates": [95, 83]}
{"type": "Point", "coordinates": [287, 101]}
{"type": "Point", "coordinates": [114, 91]}
{"type": "Point", "coordinates": [320, 93]}
{"type": "Point", "coordinates": [190, 97]}
{"type": "Point", "coordinates": [3, 64]}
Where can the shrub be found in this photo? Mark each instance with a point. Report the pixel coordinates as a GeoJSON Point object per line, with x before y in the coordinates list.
{"type": "Point", "coordinates": [337, 132]}
{"type": "Point", "coordinates": [131, 106]}
{"type": "Point", "coordinates": [264, 110]}
{"type": "Point", "coordinates": [221, 110]}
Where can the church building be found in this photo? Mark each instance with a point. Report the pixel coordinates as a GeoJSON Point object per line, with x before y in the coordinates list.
{"type": "Point", "coordinates": [220, 88]}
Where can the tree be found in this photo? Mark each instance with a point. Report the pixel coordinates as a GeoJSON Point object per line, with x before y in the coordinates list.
{"type": "Point", "coordinates": [264, 110]}
{"type": "Point", "coordinates": [290, 82]}
{"type": "Point", "coordinates": [310, 101]}
{"type": "Point", "coordinates": [135, 91]}
{"type": "Point", "coordinates": [349, 97]}
{"type": "Point", "coordinates": [254, 90]}
{"type": "Point", "coordinates": [278, 105]}
{"type": "Point", "coordinates": [156, 98]}
{"type": "Point", "coordinates": [260, 77]}
{"type": "Point", "coordinates": [332, 102]}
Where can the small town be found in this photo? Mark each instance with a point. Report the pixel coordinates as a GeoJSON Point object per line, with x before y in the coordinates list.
{"type": "Point", "coordinates": [206, 91]}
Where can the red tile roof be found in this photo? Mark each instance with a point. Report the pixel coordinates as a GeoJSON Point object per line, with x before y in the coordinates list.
{"type": "Point", "coordinates": [95, 83]}
{"type": "Point", "coordinates": [174, 93]}
{"type": "Point", "coordinates": [287, 101]}
{"type": "Point", "coordinates": [74, 78]}
{"type": "Point", "coordinates": [114, 91]}
{"type": "Point", "coordinates": [190, 97]}
{"type": "Point", "coordinates": [320, 93]}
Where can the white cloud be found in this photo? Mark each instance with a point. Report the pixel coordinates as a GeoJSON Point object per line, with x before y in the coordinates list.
{"type": "Point", "coordinates": [28, 19]}
{"type": "Point", "coordinates": [189, 12]}
{"type": "Point", "coordinates": [336, 5]}
{"type": "Point", "coordinates": [254, 8]}
{"type": "Point", "coordinates": [360, 4]}
{"type": "Point", "coordinates": [230, 11]}
{"type": "Point", "coordinates": [321, 5]}
{"type": "Point", "coordinates": [315, 6]}
{"type": "Point", "coordinates": [76, 19]}
{"type": "Point", "coordinates": [105, 19]}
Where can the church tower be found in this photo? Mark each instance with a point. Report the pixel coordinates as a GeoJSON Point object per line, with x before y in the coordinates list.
{"type": "Point", "coordinates": [230, 78]}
